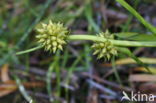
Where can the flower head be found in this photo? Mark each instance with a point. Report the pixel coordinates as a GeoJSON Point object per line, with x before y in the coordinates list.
{"type": "Point", "coordinates": [104, 49]}
{"type": "Point", "coordinates": [52, 36]}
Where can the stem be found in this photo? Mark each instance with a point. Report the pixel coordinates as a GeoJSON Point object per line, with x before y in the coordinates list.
{"type": "Point", "coordinates": [29, 50]}
{"type": "Point", "coordinates": [115, 42]}
{"type": "Point", "coordinates": [123, 43]}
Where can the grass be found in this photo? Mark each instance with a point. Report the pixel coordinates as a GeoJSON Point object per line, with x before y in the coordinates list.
{"type": "Point", "coordinates": [17, 33]}
{"type": "Point", "coordinates": [137, 15]}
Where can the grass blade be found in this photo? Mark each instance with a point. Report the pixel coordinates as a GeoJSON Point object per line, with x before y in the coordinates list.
{"type": "Point", "coordinates": [137, 15]}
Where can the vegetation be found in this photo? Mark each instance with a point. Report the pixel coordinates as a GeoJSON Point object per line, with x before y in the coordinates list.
{"type": "Point", "coordinates": [47, 50]}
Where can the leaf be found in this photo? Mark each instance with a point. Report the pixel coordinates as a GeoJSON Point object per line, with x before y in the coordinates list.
{"type": "Point", "coordinates": [142, 69]}
{"type": "Point", "coordinates": [10, 86]}
{"type": "Point", "coordinates": [5, 73]}
{"type": "Point", "coordinates": [136, 36]}
{"type": "Point", "coordinates": [130, 54]}
{"type": "Point", "coordinates": [137, 15]}
{"type": "Point", "coordinates": [142, 78]}
{"type": "Point", "coordinates": [7, 88]}
{"type": "Point", "coordinates": [132, 61]}
{"type": "Point", "coordinates": [89, 16]}
{"type": "Point", "coordinates": [3, 44]}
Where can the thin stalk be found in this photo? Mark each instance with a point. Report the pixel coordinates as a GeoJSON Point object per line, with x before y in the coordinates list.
{"type": "Point", "coordinates": [115, 71]}
{"type": "Point", "coordinates": [115, 42]}
{"type": "Point", "coordinates": [51, 69]}
{"type": "Point", "coordinates": [29, 50]}
{"type": "Point", "coordinates": [48, 80]}
{"type": "Point", "coordinates": [22, 90]}
{"type": "Point", "coordinates": [122, 43]}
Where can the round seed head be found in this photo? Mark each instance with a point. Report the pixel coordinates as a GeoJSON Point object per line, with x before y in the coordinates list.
{"type": "Point", "coordinates": [104, 49]}
{"type": "Point", "coordinates": [52, 36]}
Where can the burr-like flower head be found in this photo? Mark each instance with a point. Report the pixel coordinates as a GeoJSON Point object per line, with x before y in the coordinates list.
{"type": "Point", "coordinates": [104, 49]}
{"type": "Point", "coordinates": [52, 36]}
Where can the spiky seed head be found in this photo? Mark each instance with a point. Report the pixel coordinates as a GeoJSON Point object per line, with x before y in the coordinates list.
{"type": "Point", "coordinates": [52, 36]}
{"type": "Point", "coordinates": [104, 49]}
{"type": "Point", "coordinates": [106, 35]}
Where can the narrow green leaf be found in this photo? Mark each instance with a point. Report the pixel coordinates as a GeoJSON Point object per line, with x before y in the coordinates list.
{"type": "Point", "coordinates": [136, 36]}
{"type": "Point", "coordinates": [130, 54]}
{"type": "Point", "coordinates": [137, 15]}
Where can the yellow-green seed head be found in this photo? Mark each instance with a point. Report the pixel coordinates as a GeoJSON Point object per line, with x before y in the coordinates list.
{"type": "Point", "coordinates": [104, 49]}
{"type": "Point", "coordinates": [52, 36]}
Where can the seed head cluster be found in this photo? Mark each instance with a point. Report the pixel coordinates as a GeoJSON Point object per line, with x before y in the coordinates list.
{"type": "Point", "coordinates": [104, 49]}
{"type": "Point", "coordinates": [52, 36]}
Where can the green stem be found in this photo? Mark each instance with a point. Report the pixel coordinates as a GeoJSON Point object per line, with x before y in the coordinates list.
{"type": "Point", "coordinates": [29, 50]}
{"type": "Point", "coordinates": [123, 43]}
{"type": "Point", "coordinates": [115, 42]}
